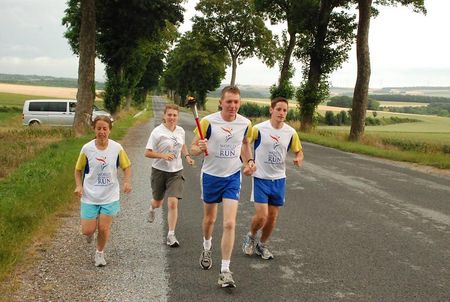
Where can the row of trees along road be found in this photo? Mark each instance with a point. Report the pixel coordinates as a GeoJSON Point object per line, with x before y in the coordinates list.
{"type": "Point", "coordinates": [319, 34]}
{"type": "Point", "coordinates": [130, 37]}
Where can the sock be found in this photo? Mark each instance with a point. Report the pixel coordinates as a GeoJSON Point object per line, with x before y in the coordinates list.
{"type": "Point", "coordinates": [101, 252]}
{"type": "Point", "coordinates": [171, 233]}
{"type": "Point", "coordinates": [207, 243]}
{"type": "Point", "coordinates": [225, 267]}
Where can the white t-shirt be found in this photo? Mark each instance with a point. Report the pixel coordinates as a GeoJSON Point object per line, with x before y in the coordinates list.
{"type": "Point", "coordinates": [271, 146]}
{"type": "Point", "coordinates": [163, 140]}
{"type": "Point", "coordinates": [100, 183]}
{"type": "Point", "coordinates": [224, 143]}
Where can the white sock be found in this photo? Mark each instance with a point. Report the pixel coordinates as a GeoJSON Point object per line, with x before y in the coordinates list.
{"type": "Point", "coordinates": [225, 267]}
{"type": "Point", "coordinates": [207, 244]}
{"type": "Point", "coordinates": [171, 233]}
{"type": "Point", "coordinates": [101, 252]}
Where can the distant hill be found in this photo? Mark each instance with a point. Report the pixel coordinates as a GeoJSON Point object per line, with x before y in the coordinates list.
{"type": "Point", "coordinates": [39, 80]}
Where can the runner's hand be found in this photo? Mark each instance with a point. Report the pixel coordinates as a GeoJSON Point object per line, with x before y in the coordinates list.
{"type": "Point", "coordinates": [78, 191]}
{"type": "Point", "coordinates": [127, 187]}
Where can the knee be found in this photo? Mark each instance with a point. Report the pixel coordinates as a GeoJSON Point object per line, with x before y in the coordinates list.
{"type": "Point", "coordinates": [103, 228]}
{"type": "Point", "coordinates": [172, 206]}
{"type": "Point", "coordinates": [229, 225]}
{"type": "Point", "coordinates": [261, 218]}
{"type": "Point", "coordinates": [209, 220]}
{"type": "Point", "coordinates": [87, 231]}
{"type": "Point", "coordinates": [156, 203]}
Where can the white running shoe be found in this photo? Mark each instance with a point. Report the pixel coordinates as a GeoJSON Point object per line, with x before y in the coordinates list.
{"type": "Point", "coordinates": [172, 241]}
{"type": "Point", "coordinates": [248, 246]}
{"type": "Point", "coordinates": [226, 279]}
{"type": "Point", "coordinates": [205, 259]}
{"type": "Point", "coordinates": [100, 259]}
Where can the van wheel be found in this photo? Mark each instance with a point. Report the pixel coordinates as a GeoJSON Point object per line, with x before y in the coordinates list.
{"type": "Point", "coordinates": [34, 124]}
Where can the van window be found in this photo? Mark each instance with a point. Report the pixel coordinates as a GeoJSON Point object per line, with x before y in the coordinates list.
{"type": "Point", "coordinates": [38, 106]}
{"type": "Point", "coordinates": [58, 106]}
{"type": "Point", "coordinates": [72, 106]}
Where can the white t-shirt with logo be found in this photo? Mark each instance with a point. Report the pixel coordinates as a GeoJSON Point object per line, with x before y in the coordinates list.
{"type": "Point", "coordinates": [163, 140]}
{"type": "Point", "coordinates": [271, 146]}
{"type": "Point", "coordinates": [100, 183]}
{"type": "Point", "coordinates": [224, 143]}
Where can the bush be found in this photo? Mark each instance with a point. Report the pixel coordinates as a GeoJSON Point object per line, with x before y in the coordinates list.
{"type": "Point", "coordinates": [250, 110]}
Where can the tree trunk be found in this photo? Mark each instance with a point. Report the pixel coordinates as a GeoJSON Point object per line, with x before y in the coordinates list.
{"type": "Point", "coordinates": [361, 93]}
{"type": "Point", "coordinates": [86, 69]}
{"type": "Point", "coordinates": [311, 101]}
{"type": "Point", "coordinates": [284, 75]}
{"type": "Point", "coordinates": [128, 100]}
{"type": "Point", "coordinates": [233, 71]}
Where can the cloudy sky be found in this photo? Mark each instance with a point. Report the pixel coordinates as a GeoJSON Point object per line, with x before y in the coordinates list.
{"type": "Point", "coordinates": [407, 49]}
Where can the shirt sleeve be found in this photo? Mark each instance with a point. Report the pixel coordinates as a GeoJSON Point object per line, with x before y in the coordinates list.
{"type": "Point", "coordinates": [124, 161]}
{"type": "Point", "coordinates": [81, 162]}
{"type": "Point", "coordinates": [249, 134]}
{"type": "Point", "coordinates": [296, 145]}
{"type": "Point", "coordinates": [151, 141]}
{"type": "Point", "coordinates": [204, 124]}
{"type": "Point", "coordinates": [255, 132]}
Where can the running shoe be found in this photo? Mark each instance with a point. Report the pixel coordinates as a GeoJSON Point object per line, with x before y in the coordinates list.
{"type": "Point", "coordinates": [263, 251]}
{"type": "Point", "coordinates": [100, 259]}
{"type": "Point", "coordinates": [151, 216]}
{"type": "Point", "coordinates": [226, 280]}
{"type": "Point", "coordinates": [172, 241]}
{"type": "Point", "coordinates": [248, 246]}
{"type": "Point", "coordinates": [206, 260]}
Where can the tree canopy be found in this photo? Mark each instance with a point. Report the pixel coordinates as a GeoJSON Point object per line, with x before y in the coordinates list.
{"type": "Point", "coordinates": [236, 26]}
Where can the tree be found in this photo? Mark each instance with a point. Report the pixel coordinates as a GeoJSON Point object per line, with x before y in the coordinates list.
{"type": "Point", "coordinates": [195, 66]}
{"type": "Point", "coordinates": [235, 25]}
{"type": "Point", "coordinates": [123, 27]}
{"type": "Point", "coordinates": [360, 94]}
{"type": "Point", "coordinates": [291, 12]}
{"type": "Point", "coordinates": [86, 69]}
{"type": "Point", "coordinates": [322, 48]}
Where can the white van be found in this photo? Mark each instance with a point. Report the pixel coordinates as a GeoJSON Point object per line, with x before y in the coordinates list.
{"type": "Point", "coordinates": [53, 112]}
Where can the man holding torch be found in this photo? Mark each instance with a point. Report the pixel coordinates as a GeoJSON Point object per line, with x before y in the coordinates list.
{"type": "Point", "coordinates": [224, 138]}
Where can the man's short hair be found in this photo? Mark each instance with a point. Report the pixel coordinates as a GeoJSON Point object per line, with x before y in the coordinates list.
{"type": "Point", "coordinates": [231, 88]}
{"type": "Point", "coordinates": [278, 99]}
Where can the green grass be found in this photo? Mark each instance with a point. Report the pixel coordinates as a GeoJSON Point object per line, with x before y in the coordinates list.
{"type": "Point", "coordinates": [41, 186]}
{"type": "Point", "coordinates": [17, 100]}
{"type": "Point", "coordinates": [373, 146]}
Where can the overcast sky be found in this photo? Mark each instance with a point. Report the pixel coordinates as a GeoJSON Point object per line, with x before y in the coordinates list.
{"type": "Point", "coordinates": [407, 49]}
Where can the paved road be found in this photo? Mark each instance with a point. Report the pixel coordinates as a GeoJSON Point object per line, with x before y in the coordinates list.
{"type": "Point", "coordinates": [353, 229]}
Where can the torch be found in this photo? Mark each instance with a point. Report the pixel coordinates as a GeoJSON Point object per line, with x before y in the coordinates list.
{"type": "Point", "coordinates": [192, 102]}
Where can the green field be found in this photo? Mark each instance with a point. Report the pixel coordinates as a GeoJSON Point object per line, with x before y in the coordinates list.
{"type": "Point", "coordinates": [17, 100]}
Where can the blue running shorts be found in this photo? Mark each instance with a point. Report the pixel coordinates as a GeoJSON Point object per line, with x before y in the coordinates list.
{"type": "Point", "coordinates": [215, 188]}
{"type": "Point", "coordinates": [268, 191]}
{"type": "Point", "coordinates": [91, 211]}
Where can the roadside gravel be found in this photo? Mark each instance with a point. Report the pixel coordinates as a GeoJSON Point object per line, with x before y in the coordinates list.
{"type": "Point", "coordinates": [136, 253]}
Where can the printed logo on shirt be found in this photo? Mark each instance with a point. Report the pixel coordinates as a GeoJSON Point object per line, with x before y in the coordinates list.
{"type": "Point", "coordinates": [103, 163]}
{"type": "Point", "coordinates": [175, 145]}
{"type": "Point", "coordinates": [228, 132]}
{"type": "Point", "coordinates": [275, 156]}
{"type": "Point", "coordinates": [103, 178]}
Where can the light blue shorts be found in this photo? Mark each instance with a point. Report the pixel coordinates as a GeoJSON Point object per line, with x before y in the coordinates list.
{"type": "Point", "coordinates": [268, 191]}
{"type": "Point", "coordinates": [91, 211]}
{"type": "Point", "coordinates": [215, 188]}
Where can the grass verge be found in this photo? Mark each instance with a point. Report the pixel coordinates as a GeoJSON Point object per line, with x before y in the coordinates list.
{"type": "Point", "coordinates": [381, 146]}
{"type": "Point", "coordinates": [41, 187]}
